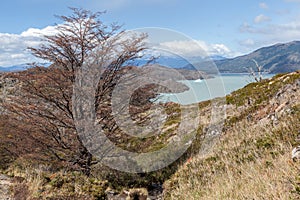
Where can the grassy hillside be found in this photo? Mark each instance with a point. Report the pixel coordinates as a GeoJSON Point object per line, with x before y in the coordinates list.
{"type": "Point", "coordinates": [250, 160]}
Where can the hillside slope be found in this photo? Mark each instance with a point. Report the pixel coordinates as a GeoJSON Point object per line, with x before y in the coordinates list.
{"type": "Point", "coordinates": [252, 157]}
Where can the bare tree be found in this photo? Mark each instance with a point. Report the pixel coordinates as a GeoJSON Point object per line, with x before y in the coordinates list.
{"type": "Point", "coordinates": [257, 73]}
{"type": "Point", "coordinates": [45, 100]}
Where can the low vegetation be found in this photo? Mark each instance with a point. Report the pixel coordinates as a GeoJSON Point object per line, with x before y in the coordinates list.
{"type": "Point", "coordinates": [40, 148]}
{"type": "Point", "coordinates": [252, 160]}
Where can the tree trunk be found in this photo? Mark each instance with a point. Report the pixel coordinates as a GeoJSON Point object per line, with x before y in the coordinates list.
{"type": "Point", "coordinates": [85, 160]}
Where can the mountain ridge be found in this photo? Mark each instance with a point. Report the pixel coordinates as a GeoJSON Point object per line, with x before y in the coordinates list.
{"type": "Point", "coordinates": [14, 68]}
{"type": "Point", "coordinates": [21, 67]}
{"type": "Point", "coordinates": [277, 58]}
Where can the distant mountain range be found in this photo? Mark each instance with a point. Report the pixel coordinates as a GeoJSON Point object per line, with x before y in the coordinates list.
{"type": "Point", "coordinates": [277, 58]}
{"type": "Point", "coordinates": [14, 68]}
{"type": "Point", "coordinates": [274, 59]}
{"type": "Point", "coordinates": [20, 67]}
{"type": "Point", "coordinates": [178, 62]}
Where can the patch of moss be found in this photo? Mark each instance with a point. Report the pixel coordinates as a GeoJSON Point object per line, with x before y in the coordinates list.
{"type": "Point", "coordinates": [266, 142]}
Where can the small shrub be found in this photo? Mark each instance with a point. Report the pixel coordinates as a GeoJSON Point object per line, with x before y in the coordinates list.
{"type": "Point", "coordinates": [265, 142]}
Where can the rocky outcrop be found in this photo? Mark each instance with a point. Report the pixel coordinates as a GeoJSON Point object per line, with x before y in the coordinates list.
{"type": "Point", "coordinates": [296, 153]}
{"type": "Point", "coordinates": [5, 187]}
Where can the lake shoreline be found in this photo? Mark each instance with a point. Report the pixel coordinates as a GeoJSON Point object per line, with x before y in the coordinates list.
{"type": "Point", "coordinates": [207, 89]}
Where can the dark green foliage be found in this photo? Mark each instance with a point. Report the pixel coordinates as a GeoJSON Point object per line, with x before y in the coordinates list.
{"type": "Point", "coordinates": [259, 92]}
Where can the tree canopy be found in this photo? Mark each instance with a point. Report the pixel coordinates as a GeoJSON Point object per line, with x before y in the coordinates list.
{"type": "Point", "coordinates": [45, 100]}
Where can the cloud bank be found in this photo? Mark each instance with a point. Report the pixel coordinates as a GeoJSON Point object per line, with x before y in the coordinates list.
{"type": "Point", "coordinates": [259, 36]}
{"type": "Point", "coordinates": [13, 47]}
{"type": "Point", "coordinates": [192, 48]}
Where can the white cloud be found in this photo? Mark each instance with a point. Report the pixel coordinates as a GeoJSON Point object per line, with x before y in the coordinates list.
{"type": "Point", "coordinates": [192, 48]}
{"type": "Point", "coordinates": [263, 5]}
{"type": "Point", "coordinates": [35, 32]}
{"type": "Point", "coordinates": [220, 49]}
{"type": "Point", "coordinates": [13, 47]}
{"type": "Point", "coordinates": [247, 42]}
{"type": "Point", "coordinates": [270, 34]}
{"type": "Point", "coordinates": [261, 18]}
{"type": "Point", "coordinates": [284, 31]}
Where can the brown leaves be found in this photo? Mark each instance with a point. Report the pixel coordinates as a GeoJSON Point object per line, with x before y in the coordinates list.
{"type": "Point", "coordinates": [85, 50]}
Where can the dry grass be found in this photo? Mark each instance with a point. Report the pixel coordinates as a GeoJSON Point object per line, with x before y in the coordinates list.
{"type": "Point", "coordinates": [42, 182]}
{"type": "Point", "coordinates": [245, 165]}
{"type": "Point", "coordinates": [252, 160]}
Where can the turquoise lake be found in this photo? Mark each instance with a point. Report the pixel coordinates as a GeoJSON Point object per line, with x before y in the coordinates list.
{"type": "Point", "coordinates": [201, 90]}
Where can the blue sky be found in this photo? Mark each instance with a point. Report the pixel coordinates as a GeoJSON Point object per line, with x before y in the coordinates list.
{"type": "Point", "coordinates": [228, 28]}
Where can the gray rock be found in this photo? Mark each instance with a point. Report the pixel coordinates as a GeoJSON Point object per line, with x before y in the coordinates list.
{"type": "Point", "coordinates": [296, 153]}
{"type": "Point", "coordinates": [5, 187]}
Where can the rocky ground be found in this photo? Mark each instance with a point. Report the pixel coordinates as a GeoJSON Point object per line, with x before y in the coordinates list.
{"type": "Point", "coordinates": [5, 187]}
